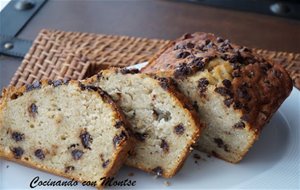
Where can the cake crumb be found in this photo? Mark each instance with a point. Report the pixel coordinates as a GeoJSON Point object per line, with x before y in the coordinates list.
{"type": "Point", "coordinates": [197, 156]}
{"type": "Point", "coordinates": [131, 174]}
{"type": "Point", "coordinates": [208, 155]}
{"type": "Point", "coordinates": [7, 166]}
{"type": "Point", "coordinates": [167, 183]}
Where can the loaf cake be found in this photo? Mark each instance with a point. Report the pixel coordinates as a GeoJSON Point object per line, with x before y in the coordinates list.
{"type": "Point", "coordinates": [235, 90]}
{"type": "Point", "coordinates": [65, 128]}
{"type": "Point", "coordinates": [160, 119]}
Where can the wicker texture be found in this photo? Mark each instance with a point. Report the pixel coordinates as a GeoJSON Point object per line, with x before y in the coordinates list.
{"type": "Point", "coordinates": [57, 54]}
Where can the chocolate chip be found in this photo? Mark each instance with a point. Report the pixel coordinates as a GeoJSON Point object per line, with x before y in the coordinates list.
{"type": "Point", "coordinates": [164, 145]}
{"type": "Point", "coordinates": [88, 87]}
{"type": "Point", "coordinates": [18, 152]}
{"type": "Point", "coordinates": [179, 129]}
{"type": "Point", "coordinates": [182, 70]}
{"type": "Point", "coordinates": [219, 142]}
{"type": "Point", "coordinates": [265, 67]}
{"type": "Point", "coordinates": [223, 91]}
{"type": "Point", "coordinates": [238, 105]}
{"type": "Point", "coordinates": [195, 106]}
{"type": "Point", "coordinates": [198, 64]}
{"type": "Point", "coordinates": [158, 171]}
{"type": "Point", "coordinates": [202, 85]}
{"type": "Point", "coordinates": [226, 83]}
{"type": "Point", "coordinates": [76, 154]}
{"type": "Point", "coordinates": [105, 164]}
{"type": "Point", "coordinates": [86, 139]}
{"type": "Point", "coordinates": [140, 136]}
{"type": "Point", "coordinates": [228, 102]}
{"type": "Point", "coordinates": [39, 154]}
{"type": "Point", "coordinates": [190, 45]}
{"type": "Point", "coordinates": [207, 41]}
{"type": "Point", "coordinates": [225, 147]}
{"type": "Point", "coordinates": [17, 136]}
{"type": "Point", "coordinates": [119, 138]}
{"type": "Point", "coordinates": [69, 168]}
{"type": "Point", "coordinates": [236, 73]}
{"type": "Point", "coordinates": [73, 146]}
{"type": "Point", "coordinates": [187, 36]}
{"type": "Point", "coordinates": [243, 92]}
{"type": "Point", "coordinates": [35, 85]}
{"type": "Point", "coordinates": [197, 156]}
{"type": "Point", "coordinates": [239, 125]}
{"type": "Point", "coordinates": [219, 39]}
{"type": "Point", "coordinates": [182, 55]}
{"type": "Point", "coordinates": [179, 46]}
{"type": "Point", "coordinates": [163, 82]}
{"type": "Point", "coordinates": [33, 110]}
{"type": "Point", "coordinates": [119, 124]}
{"type": "Point", "coordinates": [129, 71]}
{"type": "Point", "coordinates": [66, 81]}
{"type": "Point", "coordinates": [56, 83]}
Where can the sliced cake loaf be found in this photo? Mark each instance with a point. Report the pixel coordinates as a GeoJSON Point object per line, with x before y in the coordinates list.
{"type": "Point", "coordinates": [236, 90]}
{"type": "Point", "coordinates": [65, 128]}
{"type": "Point", "coordinates": [159, 116]}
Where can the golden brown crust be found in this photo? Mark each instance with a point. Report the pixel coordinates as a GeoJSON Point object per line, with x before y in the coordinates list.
{"type": "Point", "coordinates": [119, 155]}
{"type": "Point", "coordinates": [258, 87]}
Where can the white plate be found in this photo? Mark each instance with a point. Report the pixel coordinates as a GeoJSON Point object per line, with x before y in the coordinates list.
{"type": "Point", "coordinates": [273, 162]}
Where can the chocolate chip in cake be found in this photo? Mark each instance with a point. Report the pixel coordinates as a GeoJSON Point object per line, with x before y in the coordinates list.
{"type": "Point", "coordinates": [219, 142]}
{"type": "Point", "coordinates": [56, 83]}
{"type": "Point", "coordinates": [238, 105]}
{"type": "Point", "coordinates": [66, 81]}
{"type": "Point", "coordinates": [198, 64]}
{"type": "Point", "coordinates": [105, 164]}
{"type": "Point", "coordinates": [119, 138]}
{"type": "Point", "coordinates": [202, 85]}
{"type": "Point", "coordinates": [76, 154]}
{"type": "Point", "coordinates": [219, 39]}
{"type": "Point", "coordinates": [17, 152]}
{"type": "Point", "coordinates": [119, 124]}
{"type": "Point", "coordinates": [187, 36]}
{"type": "Point", "coordinates": [35, 85]}
{"type": "Point", "coordinates": [158, 171]}
{"type": "Point", "coordinates": [69, 169]}
{"type": "Point", "coordinates": [207, 41]}
{"type": "Point", "coordinates": [86, 139]}
{"type": "Point", "coordinates": [163, 82]}
{"type": "Point", "coordinates": [140, 136]}
{"type": "Point", "coordinates": [18, 136]}
{"type": "Point", "coordinates": [39, 153]}
{"type": "Point", "coordinates": [33, 110]}
{"type": "Point", "coordinates": [239, 125]}
{"type": "Point", "coordinates": [223, 91]}
{"type": "Point", "coordinates": [195, 106]}
{"type": "Point", "coordinates": [228, 101]}
{"type": "Point", "coordinates": [190, 45]}
{"type": "Point", "coordinates": [182, 70]}
{"type": "Point", "coordinates": [73, 146]}
{"type": "Point", "coordinates": [226, 83]}
{"type": "Point", "coordinates": [164, 145]}
{"type": "Point", "coordinates": [182, 55]}
{"type": "Point", "coordinates": [129, 71]}
{"type": "Point", "coordinates": [179, 129]}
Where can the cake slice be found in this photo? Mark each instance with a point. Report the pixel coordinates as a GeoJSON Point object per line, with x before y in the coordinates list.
{"type": "Point", "coordinates": [163, 122]}
{"type": "Point", "coordinates": [236, 90]}
{"type": "Point", "coordinates": [65, 128]}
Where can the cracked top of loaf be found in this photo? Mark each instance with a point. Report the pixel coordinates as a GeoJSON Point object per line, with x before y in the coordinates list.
{"type": "Point", "coordinates": [250, 83]}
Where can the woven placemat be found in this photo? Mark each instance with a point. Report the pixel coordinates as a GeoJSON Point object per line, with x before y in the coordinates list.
{"type": "Point", "coordinates": [57, 54]}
